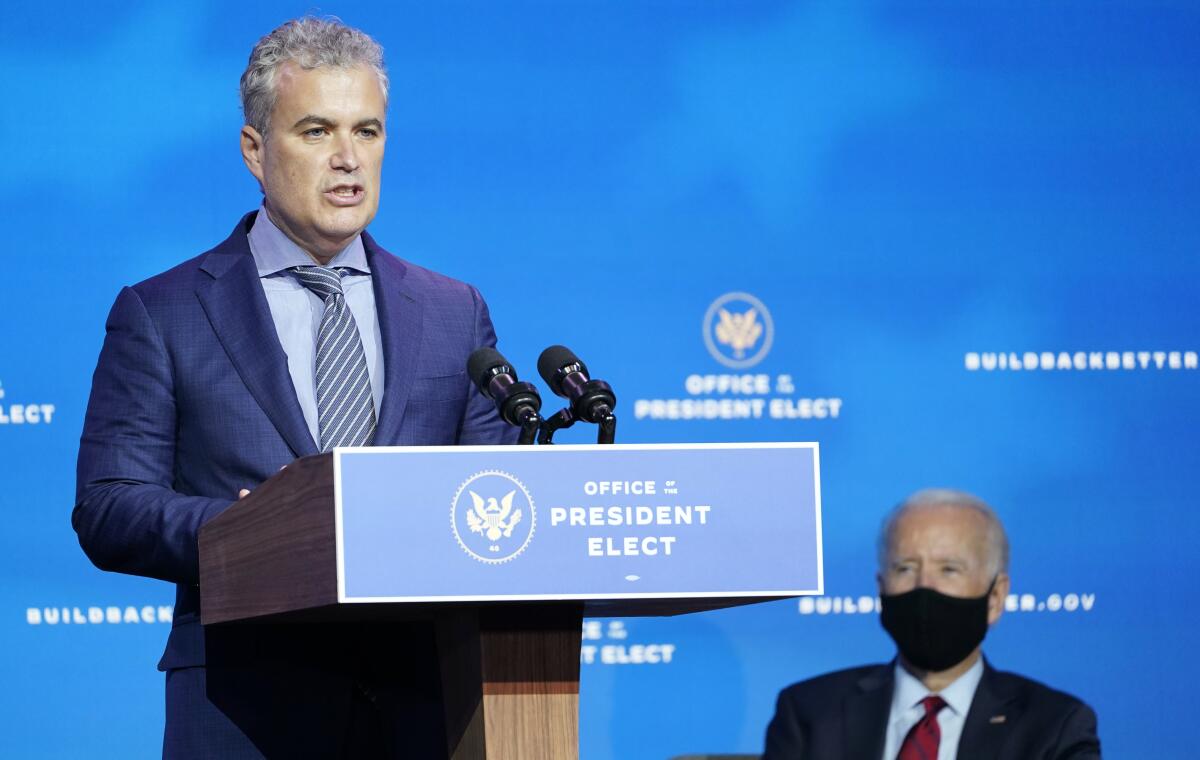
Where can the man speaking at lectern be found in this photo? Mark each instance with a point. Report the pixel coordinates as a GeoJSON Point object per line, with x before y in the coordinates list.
{"type": "Point", "coordinates": [943, 579]}
{"type": "Point", "coordinates": [296, 334]}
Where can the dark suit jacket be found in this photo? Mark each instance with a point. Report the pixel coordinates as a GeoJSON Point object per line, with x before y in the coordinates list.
{"type": "Point", "coordinates": [192, 401]}
{"type": "Point", "coordinates": [844, 715]}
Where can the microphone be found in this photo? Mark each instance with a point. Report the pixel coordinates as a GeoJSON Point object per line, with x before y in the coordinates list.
{"type": "Point", "coordinates": [567, 375]}
{"type": "Point", "coordinates": [518, 402]}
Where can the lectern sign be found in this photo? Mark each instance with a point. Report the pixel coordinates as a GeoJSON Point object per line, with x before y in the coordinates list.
{"type": "Point", "coordinates": [577, 522]}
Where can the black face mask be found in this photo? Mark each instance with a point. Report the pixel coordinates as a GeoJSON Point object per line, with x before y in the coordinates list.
{"type": "Point", "coordinates": [934, 631]}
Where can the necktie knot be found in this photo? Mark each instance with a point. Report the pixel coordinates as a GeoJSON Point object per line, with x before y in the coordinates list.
{"type": "Point", "coordinates": [933, 704]}
{"type": "Point", "coordinates": [323, 281]}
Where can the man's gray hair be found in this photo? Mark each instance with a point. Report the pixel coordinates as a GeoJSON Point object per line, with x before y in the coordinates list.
{"type": "Point", "coordinates": [997, 540]}
{"type": "Point", "coordinates": [311, 42]}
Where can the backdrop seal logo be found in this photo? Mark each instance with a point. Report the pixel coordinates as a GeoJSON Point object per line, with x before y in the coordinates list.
{"type": "Point", "coordinates": [492, 516]}
{"type": "Point", "coordinates": [734, 325]}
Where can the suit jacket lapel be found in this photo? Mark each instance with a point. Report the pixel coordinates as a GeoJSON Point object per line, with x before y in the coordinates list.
{"type": "Point", "coordinates": [989, 722]}
{"type": "Point", "coordinates": [865, 714]}
{"type": "Point", "coordinates": [237, 309]}
{"type": "Point", "coordinates": [400, 327]}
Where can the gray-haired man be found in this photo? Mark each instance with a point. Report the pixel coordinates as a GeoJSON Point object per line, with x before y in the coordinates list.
{"type": "Point", "coordinates": [296, 334]}
{"type": "Point", "coordinates": [943, 579]}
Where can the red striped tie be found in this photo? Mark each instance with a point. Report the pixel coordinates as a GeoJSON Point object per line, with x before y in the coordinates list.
{"type": "Point", "coordinates": [922, 740]}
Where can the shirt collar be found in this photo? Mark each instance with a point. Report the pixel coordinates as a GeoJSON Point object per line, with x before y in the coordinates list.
{"type": "Point", "coordinates": [274, 251]}
{"type": "Point", "coordinates": [908, 690]}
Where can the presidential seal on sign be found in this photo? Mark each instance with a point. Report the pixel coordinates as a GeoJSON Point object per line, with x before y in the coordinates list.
{"type": "Point", "coordinates": [492, 516]}
{"type": "Point", "coordinates": [738, 330]}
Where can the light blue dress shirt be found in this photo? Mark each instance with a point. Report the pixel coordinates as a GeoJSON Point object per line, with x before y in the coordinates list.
{"type": "Point", "coordinates": [297, 311]}
{"type": "Point", "coordinates": [907, 710]}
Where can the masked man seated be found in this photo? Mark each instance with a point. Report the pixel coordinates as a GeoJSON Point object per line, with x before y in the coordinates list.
{"type": "Point", "coordinates": [943, 579]}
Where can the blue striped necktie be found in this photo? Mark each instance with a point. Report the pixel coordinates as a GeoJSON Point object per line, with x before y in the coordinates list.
{"type": "Point", "coordinates": [345, 410]}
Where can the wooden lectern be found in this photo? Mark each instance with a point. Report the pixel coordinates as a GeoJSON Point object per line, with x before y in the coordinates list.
{"type": "Point", "coordinates": [509, 669]}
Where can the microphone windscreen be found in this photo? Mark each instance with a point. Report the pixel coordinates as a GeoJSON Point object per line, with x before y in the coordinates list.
{"type": "Point", "coordinates": [480, 365]}
{"type": "Point", "coordinates": [552, 360]}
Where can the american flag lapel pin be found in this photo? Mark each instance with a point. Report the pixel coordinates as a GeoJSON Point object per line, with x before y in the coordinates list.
{"type": "Point", "coordinates": [996, 719]}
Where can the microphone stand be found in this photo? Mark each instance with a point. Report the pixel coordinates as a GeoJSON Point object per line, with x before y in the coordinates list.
{"type": "Point", "coordinates": [529, 429]}
{"type": "Point", "coordinates": [565, 418]}
{"type": "Point", "coordinates": [608, 428]}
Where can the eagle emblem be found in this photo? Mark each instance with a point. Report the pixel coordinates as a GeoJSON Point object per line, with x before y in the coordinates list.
{"type": "Point", "coordinates": [738, 331]}
{"type": "Point", "coordinates": [491, 518]}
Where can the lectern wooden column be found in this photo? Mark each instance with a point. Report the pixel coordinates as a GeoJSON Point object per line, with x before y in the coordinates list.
{"type": "Point", "coordinates": [326, 540]}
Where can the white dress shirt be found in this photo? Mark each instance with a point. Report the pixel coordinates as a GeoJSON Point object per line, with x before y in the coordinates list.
{"type": "Point", "coordinates": [907, 709]}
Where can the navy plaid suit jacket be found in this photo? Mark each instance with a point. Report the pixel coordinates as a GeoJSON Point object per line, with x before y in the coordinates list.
{"type": "Point", "coordinates": [191, 401]}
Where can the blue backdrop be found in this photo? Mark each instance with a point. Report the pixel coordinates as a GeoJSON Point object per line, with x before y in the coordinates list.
{"type": "Point", "coordinates": [973, 227]}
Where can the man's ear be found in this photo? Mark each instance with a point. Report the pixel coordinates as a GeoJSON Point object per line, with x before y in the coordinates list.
{"type": "Point", "coordinates": [997, 597]}
{"type": "Point", "coordinates": [253, 145]}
